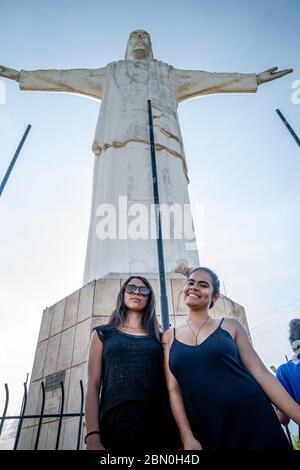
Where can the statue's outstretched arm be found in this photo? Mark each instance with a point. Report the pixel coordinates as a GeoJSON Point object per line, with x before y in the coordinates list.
{"type": "Point", "coordinates": [271, 74]}
{"type": "Point", "coordinates": [88, 82]}
{"type": "Point", "coordinates": [193, 83]}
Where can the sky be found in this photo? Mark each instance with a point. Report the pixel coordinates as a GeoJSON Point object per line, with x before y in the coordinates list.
{"type": "Point", "coordinates": [243, 164]}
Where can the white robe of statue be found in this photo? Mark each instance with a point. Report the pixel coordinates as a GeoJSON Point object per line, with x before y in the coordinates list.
{"type": "Point", "coordinates": [122, 164]}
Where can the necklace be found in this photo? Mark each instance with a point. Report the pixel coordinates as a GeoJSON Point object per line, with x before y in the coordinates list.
{"type": "Point", "coordinates": [201, 326]}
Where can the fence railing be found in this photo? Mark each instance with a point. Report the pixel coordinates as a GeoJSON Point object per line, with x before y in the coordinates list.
{"type": "Point", "coordinates": [22, 416]}
{"type": "Point", "coordinates": [41, 416]}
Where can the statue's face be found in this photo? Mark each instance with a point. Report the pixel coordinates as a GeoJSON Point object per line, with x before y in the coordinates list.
{"type": "Point", "coordinates": [139, 46]}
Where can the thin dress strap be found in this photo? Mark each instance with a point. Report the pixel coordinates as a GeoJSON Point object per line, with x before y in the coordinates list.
{"type": "Point", "coordinates": [174, 332]}
{"type": "Point", "coordinates": [221, 322]}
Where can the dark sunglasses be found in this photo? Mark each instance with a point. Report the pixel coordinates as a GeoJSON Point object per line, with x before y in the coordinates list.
{"type": "Point", "coordinates": [142, 290]}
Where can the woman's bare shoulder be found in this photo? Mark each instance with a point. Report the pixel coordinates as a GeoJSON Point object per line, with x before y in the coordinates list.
{"type": "Point", "coordinates": [233, 326]}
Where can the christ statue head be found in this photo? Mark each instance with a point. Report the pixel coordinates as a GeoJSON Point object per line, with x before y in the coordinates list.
{"type": "Point", "coordinates": [139, 46]}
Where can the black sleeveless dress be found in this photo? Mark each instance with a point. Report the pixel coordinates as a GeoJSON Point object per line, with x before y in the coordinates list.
{"type": "Point", "coordinates": [226, 407]}
{"type": "Point", "coordinates": [134, 406]}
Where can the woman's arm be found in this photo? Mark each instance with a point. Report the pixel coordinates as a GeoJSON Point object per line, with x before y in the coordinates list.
{"type": "Point", "coordinates": [271, 386]}
{"type": "Point", "coordinates": [283, 418]}
{"type": "Point", "coordinates": [176, 400]}
{"type": "Point", "coordinates": [92, 395]}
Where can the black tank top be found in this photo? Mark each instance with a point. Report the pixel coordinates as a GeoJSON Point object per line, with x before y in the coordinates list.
{"type": "Point", "coordinates": [226, 407]}
{"type": "Point", "coordinates": [132, 369]}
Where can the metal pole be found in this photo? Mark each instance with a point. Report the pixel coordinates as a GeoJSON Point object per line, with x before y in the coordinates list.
{"type": "Point", "coordinates": [41, 417]}
{"type": "Point", "coordinates": [160, 251]}
{"type": "Point", "coordinates": [61, 413]}
{"type": "Point", "coordinates": [12, 163]}
{"type": "Point", "coordinates": [291, 130]}
{"type": "Point", "coordinates": [81, 414]}
{"type": "Point", "coordinates": [5, 407]}
{"type": "Point", "coordinates": [22, 412]}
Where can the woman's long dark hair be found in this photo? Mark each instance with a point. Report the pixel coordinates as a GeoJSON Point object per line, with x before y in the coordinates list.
{"type": "Point", "coordinates": [149, 320]}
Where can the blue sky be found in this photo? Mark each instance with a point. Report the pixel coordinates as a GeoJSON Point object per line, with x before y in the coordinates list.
{"type": "Point", "coordinates": [243, 165]}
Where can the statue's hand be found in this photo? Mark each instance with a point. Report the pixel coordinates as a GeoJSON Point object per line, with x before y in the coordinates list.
{"type": "Point", "coordinates": [12, 74]}
{"type": "Point", "coordinates": [271, 74]}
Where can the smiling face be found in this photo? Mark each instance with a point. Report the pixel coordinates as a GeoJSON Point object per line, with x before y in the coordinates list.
{"type": "Point", "coordinates": [135, 301]}
{"type": "Point", "coordinates": [139, 46]}
{"type": "Point", "coordinates": [198, 291]}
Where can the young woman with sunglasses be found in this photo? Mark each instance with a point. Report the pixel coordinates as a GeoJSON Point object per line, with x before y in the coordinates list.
{"type": "Point", "coordinates": [126, 361]}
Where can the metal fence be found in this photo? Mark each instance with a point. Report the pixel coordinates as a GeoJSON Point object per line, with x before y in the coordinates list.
{"type": "Point", "coordinates": [22, 416]}
{"type": "Point", "coordinates": [41, 416]}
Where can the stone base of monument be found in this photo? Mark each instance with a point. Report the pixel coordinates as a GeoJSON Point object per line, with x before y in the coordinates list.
{"type": "Point", "coordinates": [61, 353]}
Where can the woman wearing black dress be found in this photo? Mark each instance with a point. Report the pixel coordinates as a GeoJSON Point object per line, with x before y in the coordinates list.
{"type": "Point", "coordinates": [220, 391]}
{"type": "Point", "coordinates": [125, 361]}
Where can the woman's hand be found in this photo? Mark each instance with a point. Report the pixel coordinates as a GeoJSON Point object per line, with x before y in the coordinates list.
{"type": "Point", "coordinates": [94, 443]}
{"type": "Point", "coordinates": [190, 443]}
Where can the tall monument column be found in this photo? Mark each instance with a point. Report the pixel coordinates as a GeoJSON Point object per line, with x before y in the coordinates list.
{"type": "Point", "coordinates": [131, 247]}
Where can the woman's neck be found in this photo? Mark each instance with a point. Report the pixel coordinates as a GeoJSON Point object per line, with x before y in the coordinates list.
{"type": "Point", "coordinates": [133, 320]}
{"type": "Point", "coordinates": [197, 316]}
